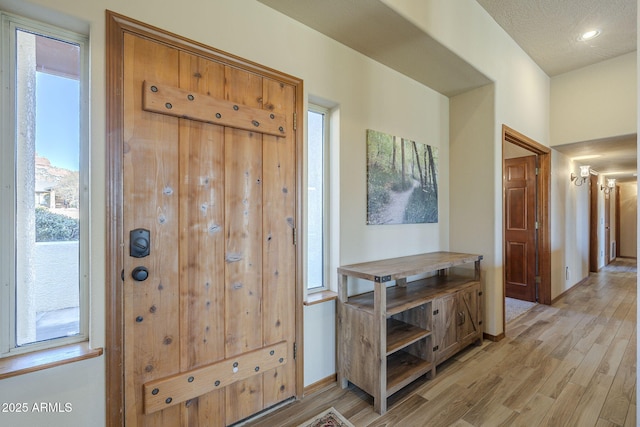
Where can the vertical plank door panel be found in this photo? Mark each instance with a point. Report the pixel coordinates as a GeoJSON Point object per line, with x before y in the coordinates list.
{"type": "Point", "coordinates": [202, 239]}
{"type": "Point", "coordinates": [221, 206]}
{"type": "Point", "coordinates": [151, 191]}
{"type": "Point", "coordinates": [243, 196]}
{"type": "Point", "coordinates": [243, 257]}
{"type": "Point", "coordinates": [279, 274]}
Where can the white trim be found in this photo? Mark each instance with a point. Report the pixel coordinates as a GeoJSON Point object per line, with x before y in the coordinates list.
{"type": "Point", "coordinates": [327, 226]}
{"type": "Point", "coordinates": [10, 23]}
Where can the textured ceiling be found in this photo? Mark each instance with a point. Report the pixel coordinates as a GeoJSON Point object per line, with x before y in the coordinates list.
{"type": "Point", "coordinates": [549, 30]}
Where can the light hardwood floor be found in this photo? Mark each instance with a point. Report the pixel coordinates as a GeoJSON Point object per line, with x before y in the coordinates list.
{"type": "Point", "coordinates": [569, 364]}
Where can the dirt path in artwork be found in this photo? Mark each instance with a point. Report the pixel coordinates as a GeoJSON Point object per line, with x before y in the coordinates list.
{"type": "Point", "coordinates": [394, 211]}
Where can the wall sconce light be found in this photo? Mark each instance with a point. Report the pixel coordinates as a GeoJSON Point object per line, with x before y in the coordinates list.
{"type": "Point", "coordinates": [611, 186]}
{"type": "Point", "coordinates": [584, 174]}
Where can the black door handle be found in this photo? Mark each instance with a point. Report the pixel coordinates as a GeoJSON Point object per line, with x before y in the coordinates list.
{"type": "Point", "coordinates": [140, 274]}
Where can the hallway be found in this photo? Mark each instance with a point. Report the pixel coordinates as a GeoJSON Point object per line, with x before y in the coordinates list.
{"type": "Point", "coordinates": [573, 363]}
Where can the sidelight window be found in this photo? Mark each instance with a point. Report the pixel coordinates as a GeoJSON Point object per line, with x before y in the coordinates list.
{"type": "Point", "coordinates": [44, 186]}
{"type": "Point", "coordinates": [317, 205]}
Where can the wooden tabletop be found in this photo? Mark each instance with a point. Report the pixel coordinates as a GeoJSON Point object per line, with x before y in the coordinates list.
{"type": "Point", "coordinates": [402, 267]}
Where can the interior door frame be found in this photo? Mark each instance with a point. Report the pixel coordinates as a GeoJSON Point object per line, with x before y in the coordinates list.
{"type": "Point", "coordinates": [116, 27]}
{"type": "Point", "coordinates": [617, 221]}
{"type": "Point", "coordinates": [594, 242]}
{"type": "Point", "coordinates": [511, 136]}
{"type": "Point", "coordinates": [607, 228]}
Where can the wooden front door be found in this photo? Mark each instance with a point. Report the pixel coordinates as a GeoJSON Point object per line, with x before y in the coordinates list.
{"type": "Point", "coordinates": [520, 227]}
{"type": "Point", "coordinates": [209, 213]}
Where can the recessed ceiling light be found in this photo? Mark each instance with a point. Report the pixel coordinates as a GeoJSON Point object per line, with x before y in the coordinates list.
{"type": "Point", "coordinates": [592, 34]}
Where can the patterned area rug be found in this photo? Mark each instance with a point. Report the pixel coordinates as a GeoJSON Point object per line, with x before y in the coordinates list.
{"type": "Point", "coordinates": [329, 418]}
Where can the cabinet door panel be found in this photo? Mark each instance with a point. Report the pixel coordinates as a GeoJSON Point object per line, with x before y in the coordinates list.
{"type": "Point", "coordinates": [468, 312]}
{"type": "Point", "coordinates": [445, 326]}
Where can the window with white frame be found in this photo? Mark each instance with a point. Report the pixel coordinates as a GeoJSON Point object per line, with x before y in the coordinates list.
{"type": "Point", "coordinates": [317, 200]}
{"type": "Point", "coordinates": [44, 203]}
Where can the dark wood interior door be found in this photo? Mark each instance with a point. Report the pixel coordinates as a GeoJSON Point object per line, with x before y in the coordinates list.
{"type": "Point", "coordinates": [607, 228]}
{"type": "Point", "coordinates": [209, 217]}
{"type": "Point", "coordinates": [520, 227]}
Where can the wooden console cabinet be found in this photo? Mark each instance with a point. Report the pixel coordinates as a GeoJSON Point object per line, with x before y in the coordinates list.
{"type": "Point", "coordinates": [393, 335]}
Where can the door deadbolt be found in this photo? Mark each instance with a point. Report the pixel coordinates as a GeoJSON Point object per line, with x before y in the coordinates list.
{"type": "Point", "coordinates": [140, 274]}
{"type": "Point", "coordinates": [139, 243]}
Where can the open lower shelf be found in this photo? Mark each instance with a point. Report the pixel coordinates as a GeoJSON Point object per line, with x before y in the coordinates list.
{"type": "Point", "coordinates": [404, 368]}
{"type": "Point", "coordinates": [401, 334]}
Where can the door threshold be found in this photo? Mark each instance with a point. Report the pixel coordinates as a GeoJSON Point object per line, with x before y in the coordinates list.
{"type": "Point", "coordinates": [264, 412]}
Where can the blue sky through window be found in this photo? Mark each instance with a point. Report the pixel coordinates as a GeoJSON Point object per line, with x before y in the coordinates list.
{"type": "Point", "coordinates": [57, 120]}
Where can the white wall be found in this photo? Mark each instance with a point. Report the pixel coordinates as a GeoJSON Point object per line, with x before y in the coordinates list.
{"type": "Point", "coordinates": [520, 100]}
{"type": "Point", "coordinates": [73, 390]}
{"type": "Point", "coordinates": [570, 226]}
{"type": "Point", "coordinates": [471, 213]}
{"type": "Point", "coordinates": [595, 102]}
{"type": "Point", "coordinates": [320, 346]}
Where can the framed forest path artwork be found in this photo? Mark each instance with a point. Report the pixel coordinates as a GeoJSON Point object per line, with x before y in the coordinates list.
{"type": "Point", "coordinates": [402, 180]}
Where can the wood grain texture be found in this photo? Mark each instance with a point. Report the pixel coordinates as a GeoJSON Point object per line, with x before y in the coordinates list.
{"type": "Point", "coordinates": [151, 315]}
{"type": "Point", "coordinates": [201, 243]}
{"type": "Point", "coordinates": [278, 246]}
{"type": "Point", "coordinates": [445, 326]}
{"type": "Point", "coordinates": [45, 359]}
{"type": "Point", "coordinates": [393, 335]}
{"type": "Point", "coordinates": [165, 392]}
{"type": "Point", "coordinates": [201, 186]}
{"type": "Point", "coordinates": [200, 106]}
{"type": "Point", "coordinates": [402, 298]}
{"type": "Point", "coordinates": [530, 378]}
{"type": "Point", "coordinates": [403, 267]}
